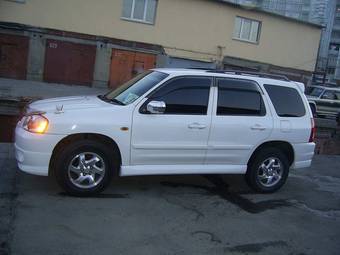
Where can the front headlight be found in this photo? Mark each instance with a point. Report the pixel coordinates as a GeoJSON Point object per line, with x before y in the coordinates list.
{"type": "Point", "coordinates": [35, 123]}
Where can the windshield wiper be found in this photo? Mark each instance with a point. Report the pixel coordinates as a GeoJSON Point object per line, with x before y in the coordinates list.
{"type": "Point", "coordinates": [113, 100]}
{"type": "Point", "coordinates": [103, 97]}
{"type": "Point", "coordinates": [116, 101]}
{"type": "Point", "coordinates": [288, 115]}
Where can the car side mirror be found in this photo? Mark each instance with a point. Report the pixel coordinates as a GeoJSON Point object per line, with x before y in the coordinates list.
{"type": "Point", "coordinates": [156, 107]}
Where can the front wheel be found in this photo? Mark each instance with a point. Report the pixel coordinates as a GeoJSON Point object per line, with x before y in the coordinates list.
{"type": "Point", "coordinates": [85, 168]}
{"type": "Point", "coordinates": [268, 171]}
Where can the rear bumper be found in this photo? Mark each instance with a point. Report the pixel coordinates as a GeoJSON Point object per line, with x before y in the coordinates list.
{"type": "Point", "coordinates": [33, 151]}
{"type": "Point", "coordinates": [304, 153]}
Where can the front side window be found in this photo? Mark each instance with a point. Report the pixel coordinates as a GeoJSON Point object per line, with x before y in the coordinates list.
{"type": "Point", "coordinates": [287, 101]}
{"type": "Point", "coordinates": [238, 97]}
{"type": "Point", "coordinates": [185, 95]}
{"type": "Point", "coordinates": [133, 89]}
{"type": "Point", "coordinates": [140, 10]}
{"type": "Point", "coordinates": [247, 29]}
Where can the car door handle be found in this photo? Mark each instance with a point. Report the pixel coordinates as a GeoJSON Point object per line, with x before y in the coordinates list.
{"type": "Point", "coordinates": [197, 126]}
{"type": "Point", "coordinates": [258, 127]}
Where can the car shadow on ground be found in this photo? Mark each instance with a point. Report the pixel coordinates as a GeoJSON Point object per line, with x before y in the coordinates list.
{"type": "Point", "coordinates": [230, 188]}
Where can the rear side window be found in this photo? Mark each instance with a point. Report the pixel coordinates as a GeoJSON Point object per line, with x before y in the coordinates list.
{"type": "Point", "coordinates": [287, 101]}
{"type": "Point", "coordinates": [185, 95]}
{"type": "Point", "coordinates": [239, 97]}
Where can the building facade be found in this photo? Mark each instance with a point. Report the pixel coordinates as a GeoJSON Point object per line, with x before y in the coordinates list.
{"type": "Point", "coordinates": [323, 12]}
{"type": "Point", "coordinates": [334, 48]}
{"type": "Point", "coordinates": [309, 10]}
{"type": "Point", "coordinates": [105, 43]}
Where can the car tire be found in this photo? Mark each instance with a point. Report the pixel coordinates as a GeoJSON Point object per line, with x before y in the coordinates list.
{"type": "Point", "coordinates": [268, 170]}
{"type": "Point", "coordinates": [85, 167]}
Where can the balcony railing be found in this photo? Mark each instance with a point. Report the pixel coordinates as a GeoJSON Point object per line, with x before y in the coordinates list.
{"type": "Point", "coordinates": [333, 52]}
{"type": "Point", "coordinates": [336, 27]}
{"type": "Point", "coordinates": [335, 40]}
{"type": "Point", "coordinates": [332, 61]}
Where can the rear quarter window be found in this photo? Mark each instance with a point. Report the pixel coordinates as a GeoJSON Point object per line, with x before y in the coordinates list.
{"type": "Point", "coordinates": [287, 101]}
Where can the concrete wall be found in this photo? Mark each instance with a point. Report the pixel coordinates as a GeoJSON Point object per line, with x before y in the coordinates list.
{"type": "Point", "coordinates": [194, 29]}
{"type": "Point", "coordinates": [101, 73]}
{"type": "Point", "coordinates": [173, 62]}
{"type": "Point", "coordinates": [36, 57]}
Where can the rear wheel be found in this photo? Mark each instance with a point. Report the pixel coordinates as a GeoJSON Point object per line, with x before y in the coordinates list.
{"type": "Point", "coordinates": [268, 171]}
{"type": "Point", "coordinates": [85, 167]}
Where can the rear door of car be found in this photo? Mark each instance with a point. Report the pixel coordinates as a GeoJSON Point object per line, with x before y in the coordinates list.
{"type": "Point", "coordinates": [291, 114]}
{"type": "Point", "coordinates": [240, 121]}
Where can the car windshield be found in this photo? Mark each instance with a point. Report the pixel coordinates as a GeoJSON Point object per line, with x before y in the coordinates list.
{"type": "Point", "coordinates": [136, 87]}
{"type": "Point", "coordinates": [315, 92]}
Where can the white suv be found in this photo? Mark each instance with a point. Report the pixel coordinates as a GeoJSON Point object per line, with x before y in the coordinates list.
{"type": "Point", "coordinates": [171, 121]}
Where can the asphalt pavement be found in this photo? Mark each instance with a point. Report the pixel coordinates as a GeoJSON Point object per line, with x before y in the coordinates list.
{"type": "Point", "coordinates": [171, 214]}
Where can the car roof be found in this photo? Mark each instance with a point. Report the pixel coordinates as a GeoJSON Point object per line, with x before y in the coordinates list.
{"type": "Point", "coordinates": [214, 72]}
{"type": "Point", "coordinates": [262, 78]}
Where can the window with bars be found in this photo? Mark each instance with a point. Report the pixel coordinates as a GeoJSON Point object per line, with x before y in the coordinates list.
{"type": "Point", "coordinates": [140, 10]}
{"type": "Point", "coordinates": [247, 29]}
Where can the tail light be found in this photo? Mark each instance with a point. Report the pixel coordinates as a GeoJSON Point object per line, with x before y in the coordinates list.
{"type": "Point", "coordinates": [313, 131]}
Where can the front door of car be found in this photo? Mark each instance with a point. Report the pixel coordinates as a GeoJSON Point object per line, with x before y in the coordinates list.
{"type": "Point", "coordinates": [176, 134]}
{"type": "Point", "coordinates": [240, 122]}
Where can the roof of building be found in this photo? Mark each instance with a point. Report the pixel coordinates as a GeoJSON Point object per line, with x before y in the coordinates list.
{"type": "Point", "coordinates": [257, 9]}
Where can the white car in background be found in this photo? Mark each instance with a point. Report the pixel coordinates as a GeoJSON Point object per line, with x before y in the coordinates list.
{"type": "Point", "coordinates": [324, 101]}
{"type": "Point", "coordinates": [171, 121]}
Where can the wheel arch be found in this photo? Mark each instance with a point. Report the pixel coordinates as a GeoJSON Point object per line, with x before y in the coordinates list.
{"type": "Point", "coordinates": [81, 136]}
{"type": "Point", "coordinates": [284, 146]}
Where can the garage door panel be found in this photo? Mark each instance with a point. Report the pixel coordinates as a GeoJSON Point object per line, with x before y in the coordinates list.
{"type": "Point", "coordinates": [126, 64]}
{"type": "Point", "coordinates": [148, 60]}
{"type": "Point", "coordinates": [55, 62]}
{"type": "Point", "coordinates": [69, 63]}
{"type": "Point", "coordinates": [13, 56]}
{"type": "Point", "coordinates": [121, 66]}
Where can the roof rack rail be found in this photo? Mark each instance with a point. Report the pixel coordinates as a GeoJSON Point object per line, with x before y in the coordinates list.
{"type": "Point", "coordinates": [201, 68]}
{"type": "Point", "coordinates": [251, 73]}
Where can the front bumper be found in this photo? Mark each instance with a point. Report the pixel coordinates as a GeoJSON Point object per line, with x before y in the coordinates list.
{"type": "Point", "coordinates": [33, 151]}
